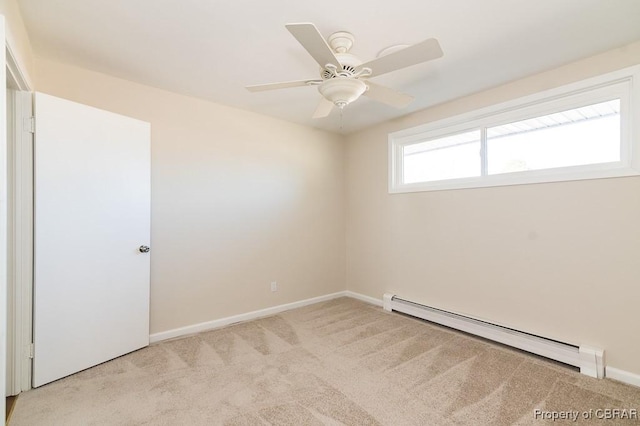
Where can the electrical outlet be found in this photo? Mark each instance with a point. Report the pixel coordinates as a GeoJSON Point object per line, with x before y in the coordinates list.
{"type": "Point", "coordinates": [274, 286]}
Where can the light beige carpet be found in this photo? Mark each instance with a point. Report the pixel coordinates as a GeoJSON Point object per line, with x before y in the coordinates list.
{"type": "Point", "coordinates": [338, 362]}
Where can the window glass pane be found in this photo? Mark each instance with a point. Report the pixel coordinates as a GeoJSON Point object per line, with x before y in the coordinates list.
{"type": "Point", "coordinates": [585, 135]}
{"type": "Point", "coordinates": [451, 157]}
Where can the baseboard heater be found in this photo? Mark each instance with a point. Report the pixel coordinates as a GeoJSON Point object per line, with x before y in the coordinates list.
{"type": "Point", "coordinates": [589, 360]}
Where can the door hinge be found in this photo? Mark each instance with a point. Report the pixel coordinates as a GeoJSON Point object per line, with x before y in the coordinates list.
{"type": "Point", "coordinates": [29, 124]}
{"type": "Point", "coordinates": [30, 350]}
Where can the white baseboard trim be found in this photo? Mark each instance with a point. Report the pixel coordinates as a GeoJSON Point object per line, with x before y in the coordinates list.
{"type": "Point", "coordinates": [210, 325]}
{"type": "Point", "coordinates": [623, 376]}
{"type": "Point", "coordinates": [363, 298]}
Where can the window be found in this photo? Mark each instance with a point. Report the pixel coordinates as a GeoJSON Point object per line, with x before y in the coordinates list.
{"type": "Point", "coordinates": [451, 157]}
{"type": "Point", "coordinates": [579, 136]}
{"type": "Point", "coordinates": [580, 131]}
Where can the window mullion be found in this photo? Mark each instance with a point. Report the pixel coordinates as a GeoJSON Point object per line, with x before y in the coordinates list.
{"type": "Point", "coordinates": [483, 152]}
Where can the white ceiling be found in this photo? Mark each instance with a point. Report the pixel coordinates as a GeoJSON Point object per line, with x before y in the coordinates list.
{"type": "Point", "coordinates": [211, 49]}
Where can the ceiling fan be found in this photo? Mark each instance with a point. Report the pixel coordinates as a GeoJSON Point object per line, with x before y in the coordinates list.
{"type": "Point", "coordinates": [344, 77]}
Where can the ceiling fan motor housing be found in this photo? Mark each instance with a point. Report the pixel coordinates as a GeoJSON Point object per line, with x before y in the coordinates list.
{"type": "Point", "coordinates": [346, 67]}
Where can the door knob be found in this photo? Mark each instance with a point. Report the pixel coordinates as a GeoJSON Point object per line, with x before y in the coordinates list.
{"type": "Point", "coordinates": [144, 249]}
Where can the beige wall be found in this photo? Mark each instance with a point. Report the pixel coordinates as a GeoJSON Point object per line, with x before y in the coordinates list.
{"type": "Point", "coordinates": [17, 38]}
{"type": "Point", "coordinates": [238, 200]}
{"type": "Point", "coordinates": [561, 260]}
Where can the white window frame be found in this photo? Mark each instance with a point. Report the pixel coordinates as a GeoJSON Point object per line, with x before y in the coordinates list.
{"type": "Point", "coordinates": [623, 84]}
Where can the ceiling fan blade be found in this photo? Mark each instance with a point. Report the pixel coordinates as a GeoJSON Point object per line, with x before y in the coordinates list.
{"type": "Point", "coordinates": [282, 85]}
{"type": "Point", "coordinates": [324, 108]}
{"type": "Point", "coordinates": [310, 38]}
{"type": "Point", "coordinates": [412, 55]}
{"type": "Point", "coordinates": [387, 96]}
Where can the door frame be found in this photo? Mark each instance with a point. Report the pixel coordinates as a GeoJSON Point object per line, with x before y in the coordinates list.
{"type": "Point", "coordinates": [3, 216]}
{"type": "Point", "coordinates": [19, 255]}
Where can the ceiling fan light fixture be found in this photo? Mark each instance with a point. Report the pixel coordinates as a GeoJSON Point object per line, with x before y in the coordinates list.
{"type": "Point", "coordinates": [342, 91]}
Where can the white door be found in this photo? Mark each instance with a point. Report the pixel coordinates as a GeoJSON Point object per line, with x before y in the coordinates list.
{"type": "Point", "coordinates": [92, 216]}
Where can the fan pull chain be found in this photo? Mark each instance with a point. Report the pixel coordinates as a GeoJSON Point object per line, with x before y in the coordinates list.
{"type": "Point", "coordinates": [341, 109]}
